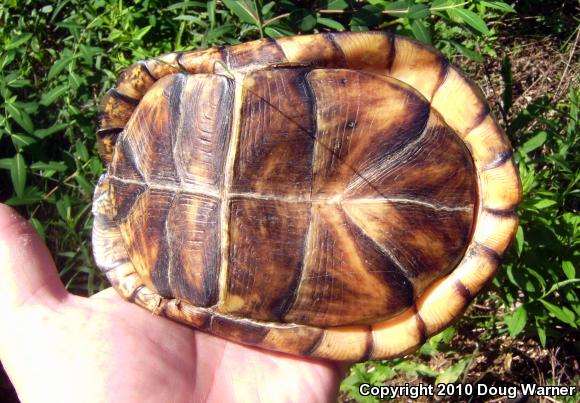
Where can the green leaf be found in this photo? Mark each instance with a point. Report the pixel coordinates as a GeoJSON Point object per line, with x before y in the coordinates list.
{"type": "Point", "coordinates": [366, 16]}
{"type": "Point", "coordinates": [194, 4]}
{"type": "Point", "coordinates": [330, 23]}
{"type": "Point", "coordinates": [192, 18]}
{"type": "Point", "coordinates": [418, 11]}
{"type": "Point", "coordinates": [302, 19]}
{"type": "Point", "coordinates": [142, 32]}
{"type": "Point", "coordinates": [441, 4]}
{"type": "Point", "coordinates": [6, 163]}
{"type": "Point", "coordinates": [85, 185]}
{"type": "Point", "coordinates": [21, 117]}
{"type": "Point", "coordinates": [43, 133]}
{"type": "Point", "coordinates": [276, 31]}
{"type": "Point", "coordinates": [470, 18]}
{"type": "Point", "coordinates": [31, 195]}
{"type": "Point", "coordinates": [211, 8]}
{"type": "Point", "coordinates": [519, 240]}
{"type": "Point", "coordinates": [544, 203]}
{"type": "Point", "coordinates": [18, 174]}
{"type": "Point", "coordinates": [467, 52]}
{"type": "Point", "coordinates": [48, 98]}
{"type": "Point", "coordinates": [535, 142]}
{"type": "Point", "coordinates": [541, 334]}
{"type": "Point", "coordinates": [15, 43]}
{"type": "Point", "coordinates": [421, 32]}
{"type": "Point", "coordinates": [51, 166]}
{"type": "Point", "coordinates": [63, 208]}
{"type": "Point", "coordinates": [20, 140]}
{"type": "Point", "coordinates": [336, 5]}
{"type": "Point", "coordinates": [498, 5]}
{"type": "Point", "coordinates": [452, 374]}
{"type": "Point", "coordinates": [568, 269]}
{"type": "Point", "coordinates": [81, 151]}
{"type": "Point", "coordinates": [415, 369]}
{"type": "Point", "coordinates": [59, 66]}
{"type": "Point", "coordinates": [563, 314]}
{"type": "Point", "coordinates": [7, 58]}
{"type": "Point", "coordinates": [560, 284]}
{"type": "Point", "coordinates": [268, 7]}
{"type": "Point", "coordinates": [400, 8]}
{"type": "Point", "coordinates": [517, 321]}
{"type": "Point", "coordinates": [38, 227]}
{"type": "Point", "coordinates": [245, 10]}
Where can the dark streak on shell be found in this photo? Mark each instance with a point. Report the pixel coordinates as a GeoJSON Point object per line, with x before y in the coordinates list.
{"type": "Point", "coordinates": [422, 327]}
{"type": "Point", "coordinates": [501, 158]}
{"type": "Point", "coordinates": [463, 291]}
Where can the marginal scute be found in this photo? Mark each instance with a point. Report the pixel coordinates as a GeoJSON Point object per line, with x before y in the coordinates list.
{"type": "Point", "coordinates": [299, 340]}
{"type": "Point", "coordinates": [162, 66]}
{"type": "Point", "coordinates": [124, 279]}
{"type": "Point", "coordinates": [201, 62]}
{"type": "Point", "coordinates": [114, 112]}
{"type": "Point", "coordinates": [487, 142]}
{"type": "Point", "coordinates": [497, 188]}
{"type": "Point", "coordinates": [371, 51]}
{"type": "Point", "coordinates": [460, 102]}
{"type": "Point", "coordinates": [186, 313]}
{"type": "Point", "coordinates": [476, 269]}
{"type": "Point", "coordinates": [245, 331]}
{"type": "Point", "coordinates": [135, 81]}
{"type": "Point", "coordinates": [345, 343]}
{"type": "Point", "coordinates": [441, 304]}
{"type": "Point", "coordinates": [496, 230]}
{"type": "Point", "coordinates": [107, 243]}
{"type": "Point", "coordinates": [397, 336]}
{"type": "Point", "coordinates": [419, 66]}
{"type": "Point", "coordinates": [313, 50]}
{"type": "Point", "coordinates": [256, 54]}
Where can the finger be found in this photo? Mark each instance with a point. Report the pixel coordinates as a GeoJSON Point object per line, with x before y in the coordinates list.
{"type": "Point", "coordinates": [27, 270]}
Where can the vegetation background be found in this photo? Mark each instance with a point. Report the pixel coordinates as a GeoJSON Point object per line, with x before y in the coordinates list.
{"type": "Point", "coordinates": [59, 57]}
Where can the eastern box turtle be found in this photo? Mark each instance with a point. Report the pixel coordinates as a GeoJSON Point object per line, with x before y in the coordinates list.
{"type": "Point", "coordinates": [341, 196]}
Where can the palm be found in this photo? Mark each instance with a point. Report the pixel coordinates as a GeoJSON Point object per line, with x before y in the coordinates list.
{"type": "Point", "coordinates": [60, 347]}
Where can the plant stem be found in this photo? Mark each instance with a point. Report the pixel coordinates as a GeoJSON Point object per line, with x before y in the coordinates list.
{"type": "Point", "coordinates": [279, 17]}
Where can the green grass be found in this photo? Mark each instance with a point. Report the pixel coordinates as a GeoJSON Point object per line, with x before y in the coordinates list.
{"type": "Point", "coordinates": [57, 60]}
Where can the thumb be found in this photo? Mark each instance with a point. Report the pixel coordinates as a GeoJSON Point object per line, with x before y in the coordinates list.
{"type": "Point", "coordinates": [27, 271]}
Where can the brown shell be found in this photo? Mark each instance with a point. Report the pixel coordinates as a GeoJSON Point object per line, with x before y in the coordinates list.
{"type": "Point", "coordinates": [342, 196]}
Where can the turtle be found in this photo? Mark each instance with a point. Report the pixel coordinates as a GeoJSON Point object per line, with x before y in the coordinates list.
{"type": "Point", "coordinates": [341, 196]}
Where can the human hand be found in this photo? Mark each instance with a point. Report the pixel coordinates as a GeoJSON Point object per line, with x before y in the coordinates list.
{"type": "Point", "coordinates": [58, 347]}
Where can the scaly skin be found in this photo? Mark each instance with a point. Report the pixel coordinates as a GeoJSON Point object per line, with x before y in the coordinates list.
{"type": "Point", "coordinates": [58, 347]}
